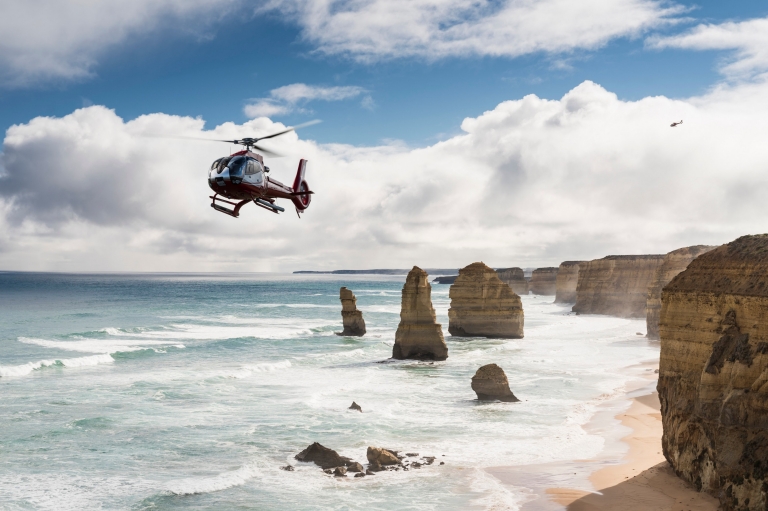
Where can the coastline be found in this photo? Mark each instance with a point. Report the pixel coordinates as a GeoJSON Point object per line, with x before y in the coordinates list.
{"type": "Point", "coordinates": [630, 474]}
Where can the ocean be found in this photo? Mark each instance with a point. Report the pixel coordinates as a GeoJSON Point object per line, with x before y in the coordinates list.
{"type": "Point", "coordinates": [190, 391]}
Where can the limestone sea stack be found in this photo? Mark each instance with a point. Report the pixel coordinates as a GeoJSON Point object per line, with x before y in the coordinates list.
{"type": "Point", "coordinates": [616, 285]}
{"type": "Point", "coordinates": [674, 262]}
{"type": "Point", "coordinates": [514, 278]}
{"type": "Point", "coordinates": [484, 306]}
{"type": "Point", "coordinates": [567, 279]}
{"type": "Point", "coordinates": [544, 281]}
{"type": "Point", "coordinates": [354, 324]}
{"type": "Point", "coordinates": [418, 335]}
{"type": "Point", "coordinates": [490, 383]}
{"type": "Point", "coordinates": [713, 373]}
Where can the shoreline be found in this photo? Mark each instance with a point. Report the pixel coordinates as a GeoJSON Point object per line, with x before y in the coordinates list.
{"type": "Point", "coordinates": [630, 474]}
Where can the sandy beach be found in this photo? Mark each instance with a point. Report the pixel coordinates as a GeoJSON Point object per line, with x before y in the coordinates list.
{"type": "Point", "coordinates": [640, 480]}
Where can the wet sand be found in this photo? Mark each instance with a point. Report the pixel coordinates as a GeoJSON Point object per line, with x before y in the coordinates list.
{"type": "Point", "coordinates": [638, 480]}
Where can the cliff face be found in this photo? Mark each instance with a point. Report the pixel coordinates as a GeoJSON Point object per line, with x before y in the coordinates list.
{"type": "Point", "coordinates": [483, 305]}
{"type": "Point", "coordinates": [418, 335]}
{"type": "Point", "coordinates": [354, 325]}
{"type": "Point", "coordinates": [713, 374]}
{"type": "Point", "coordinates": [514, 278]}
{"type": "Point", "coordinates": [544, 281]}
{"type": "Point", "coordinates": [567, 279]}
{"type": "Point", "coordinates": [674, 262]}
{"type": "Point", "coordinates": [616, 285]}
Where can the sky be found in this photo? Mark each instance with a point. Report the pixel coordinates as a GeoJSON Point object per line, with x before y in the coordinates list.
{"type": "Point", "coordinates": [516, 132]}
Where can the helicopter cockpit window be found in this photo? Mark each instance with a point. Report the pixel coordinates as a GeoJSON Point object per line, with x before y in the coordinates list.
{"type": "Point", "coordinates": [237, 166]}
{"type": "Point", "coordinates": [223, 162]}
{"type": "Point", "coordinates": [215, 164]}
{"type": "Point", "coordinates": [253, 167]}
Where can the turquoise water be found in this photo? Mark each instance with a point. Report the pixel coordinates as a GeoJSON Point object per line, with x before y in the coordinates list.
{"type": "Point", "coordinates": [153, 392]}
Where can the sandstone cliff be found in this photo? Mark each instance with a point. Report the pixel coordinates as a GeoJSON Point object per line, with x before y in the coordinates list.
{"type": "Point", "coordinates": [490, 383]}
{"type": "Point", "coordinates": [567, 279]}
{"type": "Point", "coordinates": [354, 325]}
{"type": "Point", "coordinates": [674, 262]}
{"type": "Point", "coordinates": [616, 285]}
{"type": "Point", "coordinates": [514, 278]}
{"type": "Point", "coordinates": [418, 335]}
{"type": "Point", "coordinates": [484, 306]}
{"type": "Point", "coordinates": [713, 374]}
{"type": "Point", "coordinates": [544, 281]}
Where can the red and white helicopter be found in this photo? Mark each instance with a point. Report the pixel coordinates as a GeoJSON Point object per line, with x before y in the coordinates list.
{"type": "Point", "coordinates": [242, 177]}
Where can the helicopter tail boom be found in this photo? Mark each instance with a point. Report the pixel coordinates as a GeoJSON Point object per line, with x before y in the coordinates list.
{"type": "Point", "coordinates": [301, 194]}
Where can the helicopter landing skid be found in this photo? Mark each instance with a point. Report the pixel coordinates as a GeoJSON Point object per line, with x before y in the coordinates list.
{"type": "Point", "coordinates": [231, 212]}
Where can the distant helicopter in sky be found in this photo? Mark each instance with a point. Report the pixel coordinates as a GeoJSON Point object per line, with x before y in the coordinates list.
{"type": "Point", "coordinates": [242, 176]}
{"type": "Point", "coordinates": [676, 123]}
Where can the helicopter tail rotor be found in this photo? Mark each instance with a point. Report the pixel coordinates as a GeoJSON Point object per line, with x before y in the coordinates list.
{"type": "Point", "coordinates": [302, 196]}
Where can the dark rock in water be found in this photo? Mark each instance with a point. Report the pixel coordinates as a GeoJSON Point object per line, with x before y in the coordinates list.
{"type": "Point", "coordinates": [370, 473]}
{"type": "Point", "coordinates": [340, 472]}
{"type": "Point", "coordinates": [328, 471]}
{"type": "Point", "coordinates": [287, 468]}
{"type": "Point", "coordinates": [374, 466]}
{"type": "Point", "coordinates": [355, 406]}
{"type": "Point", "coordinates": [381, 456]}
{"type": "Point", "coordinates": [322, 456]}
{"type": "Point", "coordinates": [415, 464]}
{"type": "Point", "coordinates": [354, 324]}
{"type": "Point", "coordinates": [490, 383]}
{"type": "Point", "coordinates": [360, 474]}
{"type": "Point", "coordinates": [442, 463]}
{"type": "Point", "coordinates": [355, 467]}
{"type": "Point", "coordinates": [445, 280]}
{"type": "Point", "coordinates": [428, 460]}
{"type": "Point", "coordinates": [412, 454]}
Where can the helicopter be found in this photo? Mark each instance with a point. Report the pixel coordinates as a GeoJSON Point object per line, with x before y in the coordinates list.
{"type": "Point", "coordinates": [242, 176]}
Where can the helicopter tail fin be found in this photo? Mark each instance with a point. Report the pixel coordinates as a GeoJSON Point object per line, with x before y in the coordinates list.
{"type": "Point", "coordinates": [302, 196]}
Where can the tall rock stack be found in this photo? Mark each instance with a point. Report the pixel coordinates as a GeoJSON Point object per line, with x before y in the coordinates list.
{"type": "Point", "coordinates": [418, 335]}
{"type": "Point", "coordinates": [354, 324]}
{"type": "Point", "coordinates": [713, 373]}
{"type": "Point", "coordinates": [544, 281]}
{"type": "Point", "coordinates": [484, 306]}
{"type": "Point", "coordinates": [514, 278]}
{"type": "Point", "coordinates": [567, 279]}
{"type": "Point", "coordinates": [674, 262]}
{"type": "Point", "coordinates": [616, 285]}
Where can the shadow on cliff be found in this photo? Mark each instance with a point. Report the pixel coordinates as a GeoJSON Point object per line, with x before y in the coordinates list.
{"type": "Point", "coordinates": [655, 489]}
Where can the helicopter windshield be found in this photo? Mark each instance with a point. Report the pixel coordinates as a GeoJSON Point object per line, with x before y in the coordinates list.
{"type": "Point", "coordinates": [237, 166]}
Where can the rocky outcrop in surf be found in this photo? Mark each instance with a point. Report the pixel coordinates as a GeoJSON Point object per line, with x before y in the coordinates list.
{"type": "Point", "coordinates": [418, 335]}
{"type": "Point", "coordinates": [484, 306]}
{"type": "Point", "coordinates": [567, 280]}
{"type": "Point", "coordinates": [616, 285]}
{"type": "Point", "coordinates": [323, 457]}
{"type": "Point", "coordinates": [544, 281]}
{"type": "Point", "coordinates": [354, 324]}
{"type": "Point", "coordinates": [713, 373]}
{"type": "Point", "coordinates": [514, 278]}
{"type": "Point", "coordinates": [674, 263]}
{"type": "Point", "coordinates": [491, 384]}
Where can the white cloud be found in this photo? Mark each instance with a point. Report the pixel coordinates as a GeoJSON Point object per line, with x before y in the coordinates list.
{"type": "Point", "coordinates": [748, 39]}
{"type": "Point", "coordinates": [371, 30]}
{"type": "Point", "coordinates": [50, 40]}
{"type": "Point", "coordinates": [531, 182]}
{"type": "Point", "coordinates": [288, 98]}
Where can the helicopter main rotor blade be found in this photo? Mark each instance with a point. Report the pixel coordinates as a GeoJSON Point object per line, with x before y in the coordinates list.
{"type": "Point", "coordinates": [292, 128]}
{"type": "Point", "coordinates": [267, 152]}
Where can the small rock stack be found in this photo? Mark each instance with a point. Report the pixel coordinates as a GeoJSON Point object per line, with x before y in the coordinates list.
{"type": "Point", "coordinates": [491, 384]}
{"type": "Point", "coordinates": [544, 281]}
{"type": "Point", "coordinates": [354, 325]}
{"type": "Point", "coordinates": [418, 335]}
{"type": "Point", "coordinates": [514, 278]}
{"type": "Point", "coordinates": [567, 279]}
{"type": "Point", "coordinates": [484, 306]}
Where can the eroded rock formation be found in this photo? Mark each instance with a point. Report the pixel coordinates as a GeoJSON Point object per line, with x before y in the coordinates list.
{"type": "Point", "coordinates": [323, 457]}
{"type": "Point", "coordinates": [354, 325]}
{"type": "Point", "coordinates": [616, 285]}
{"type": "Point", "coordinates": [567, 279]}
{"type": "Point", "coordinates": [418, 335]}
{"type": "Point", "coordinates": [544, 281]}
{"type": "Point", "coordinates": [490, 383]}
{"type": "Point", "coordinates": [484, 306]}
{"type": "Point", "coordinates": [713, 373]}
{"type": "Point", "coordinates": [514, 278]}
{"type": "Point", "coordinates": [674, 262]}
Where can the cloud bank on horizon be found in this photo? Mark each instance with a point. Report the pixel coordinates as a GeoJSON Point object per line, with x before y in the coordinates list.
{"type": "Point", "coordinates": [533, 181]}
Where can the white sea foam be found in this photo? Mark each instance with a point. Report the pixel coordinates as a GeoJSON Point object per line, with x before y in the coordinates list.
{"type": "Point", "coordinates": [25, 369]}
{"type": "Point", "coordinates": [100, 345]}
{"type": "Point", "coordinates": [195, 485]}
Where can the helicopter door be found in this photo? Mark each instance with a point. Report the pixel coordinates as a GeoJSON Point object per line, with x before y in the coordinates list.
{"type": "Point", "coordinates": [254, 173]}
